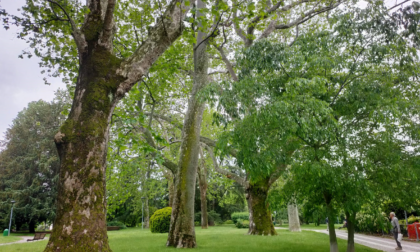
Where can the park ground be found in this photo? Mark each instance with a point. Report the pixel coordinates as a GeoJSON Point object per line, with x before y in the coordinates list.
{"type": "Point", "coordinates": [225, 238]}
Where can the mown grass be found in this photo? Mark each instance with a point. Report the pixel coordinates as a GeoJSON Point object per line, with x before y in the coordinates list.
{"type": "Point", "coordinates": [7, 239]}
{"type": "Point", "coordinates": [224, 238]}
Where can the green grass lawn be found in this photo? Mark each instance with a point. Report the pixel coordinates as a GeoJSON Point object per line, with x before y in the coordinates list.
{"type": "Point", "coordinates": [7, 239]}
{"type": "Point", "coordinates": [224, 238]}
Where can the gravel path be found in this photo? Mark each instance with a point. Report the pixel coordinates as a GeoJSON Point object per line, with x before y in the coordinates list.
{"type": "Point", "coordinates": [23, 240]}
{"type": "Point", "coordinates": [380, 243]}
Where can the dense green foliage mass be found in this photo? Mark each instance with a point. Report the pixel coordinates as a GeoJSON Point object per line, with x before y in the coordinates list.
{"type": "Point", "coordinates": [29, 165]}
{"type": "Point", "coordinates": [239, 215]}
{"type": "Point", "coordinates": [160, 220]}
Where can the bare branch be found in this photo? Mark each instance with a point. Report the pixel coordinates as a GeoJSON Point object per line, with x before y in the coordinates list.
{"type": "Point", "coordinates": [296, 37]}
{"type": "Point", "coordinates": [238, 30]}
{"type": "Point", "coordinates": [149, 139]}
{"type": "Point", "coordinates": [308, 15]}
{"type": "Point", "coordinates": [228, 64]}
{"type": "Point", "coordinates": [108, 24]}
{"type": "Point", "coordinates": [251, 27]}
{"type": "Point", "coordinates": [228, 174]}
{"type": "Point", "coordinates": [395, 6]}
{"type": "Point", "coordinates": [160, 38]}
{"type": "Point", "coordinates": [219, 72]}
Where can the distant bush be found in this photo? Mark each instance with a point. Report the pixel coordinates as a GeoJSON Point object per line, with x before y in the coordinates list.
{"type": "Point", "coordinates": [161, 220]}
{"type": "Point", "coordinates": [242, 223]}
{"type": "Point", "coordinates": [239, 215]}
{"type": "Point", "coordinates": [371, 221]}
{"type": "Point", "coordinates": [413, 219]}
{"type": "Point", "coordinates": [228, 222]}
{"type": "Point", "coordinates": [214, 217]}
{"type": "Point", "coordinates": [116, 223]}
{"type": "Point", "coordinates": [197, 223]}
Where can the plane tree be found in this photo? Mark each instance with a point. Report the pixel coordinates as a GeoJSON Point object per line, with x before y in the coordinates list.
{"type": "Point", "coordinates": [310, 99]}
{"type": "Point", "coordinates": [80, 38]}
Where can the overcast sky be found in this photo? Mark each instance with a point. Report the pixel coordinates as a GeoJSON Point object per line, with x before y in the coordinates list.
{"type": "Point", "coordinates": [20, 79]}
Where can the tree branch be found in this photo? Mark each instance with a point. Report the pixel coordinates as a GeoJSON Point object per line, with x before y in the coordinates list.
{"type": "Point", "coordinates": [277, 173]}
{"type": "Point", "coordinates": [149, 139]}
{"type": "Point", "coordinates": [161, 37]}
{"type": "Point", "coordinates": [395, 6]}
{"type": "Point", "coordinates": [251, 27]}
{"type": "Point", "coordinates": [108, 24]}
{"type": "Point", "coordinates": [78, 36]}
{"type": "Point", "coordinates": [228, 174]}
{"type": "Point", "coordinates": [308, 15]}
{"type": "Point", "coordinates": [228, 64]}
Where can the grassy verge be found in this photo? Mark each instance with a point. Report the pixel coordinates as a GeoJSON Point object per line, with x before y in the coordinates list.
{"type": "Point", "coordinates": [7, 239]}
{"type": "Point", "coordinates": [224, 238]}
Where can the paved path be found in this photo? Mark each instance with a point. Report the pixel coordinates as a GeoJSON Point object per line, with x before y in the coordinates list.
{"type": "Point", "coordinates": [380, 243]}
{"type": "Point", "coordinates": [23, 240]}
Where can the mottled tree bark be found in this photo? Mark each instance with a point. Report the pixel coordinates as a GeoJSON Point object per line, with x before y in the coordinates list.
{"type": "Point", "coordinates": [182, 232]}
{"type": "Point", "coordinates": [351, 217]}
{"type": "Point", "coordinates": [103, 79]}
{"type": "Point", "coordinates": [293, 213]}
{"type": "Point", "coordinates": [258, 209]}
{"type": "Point", "coordinates": [331, 228]}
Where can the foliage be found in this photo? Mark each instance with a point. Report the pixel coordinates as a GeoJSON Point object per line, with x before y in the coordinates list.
{"type": "Point", "coordinates": [242, 223]}
{"type": "Point", "coordinates": [410, 220]}
{"type": "Point", "coordinates": [161, 220]}
{"type": "Point", "coordinates": [29, 164]}
{"type": "Point", "coordinates": [116, 223]}
{"type": "Point", "coordinates": [239, 215]}
{"type": "Point", "coordinates": [370, 220]}
{"type": "Point", "coordinates": [214, 217]}
{"type": "Point", "coordinates": [228, 222]}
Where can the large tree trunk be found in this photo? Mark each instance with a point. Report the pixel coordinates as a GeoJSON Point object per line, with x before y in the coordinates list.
{"type": "Point", "coordinates": [351, 217]}
{"type": "Point", "coordinates": [103, 79]}
{"type": "Point", "coordinates": [202, 182]}
{"type": "Point", "coordinates": [293, 213]}
{"type": "Point", "coordinates": [82, 146]}
{"type": "Point", "coordinates": [261, 223]}
{"type": "Point", "coordinates": [331, 229]}
{"type": "Point", "coordinates": [182, 233]}
{"type": "Point", "coordinates": [32, 226]}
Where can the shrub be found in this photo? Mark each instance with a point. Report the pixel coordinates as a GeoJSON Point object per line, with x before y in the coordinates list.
{"type": "Point", "coordinates": [160, 220]}
{"type": "Point", "coordinates": [116, 223]}
{"type": "Point", "coordinates": [242, 223]}
{"type": "Point", "coordinates": [214, 217]}
{"type": "Point", "coordinates": [197, 223]}
{"type": "Point", "coordinates": [228, 222]}
{"type": "Point", "coordinates": [240, 215]}
{"type": "Point", "coordinates": [372, 221]}
{"type": "Point", "coordinates": [413, 219]}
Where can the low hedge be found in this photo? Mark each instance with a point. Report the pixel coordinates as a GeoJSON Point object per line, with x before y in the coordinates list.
{"type": "Point", "coordinates": [116, 223]}
{"type": "Point", "coordinates": [161, 220]}
{"type": "Point", "coordinates": [239, 215]}
{"type": "Point", "coordinates": [242, 223]}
